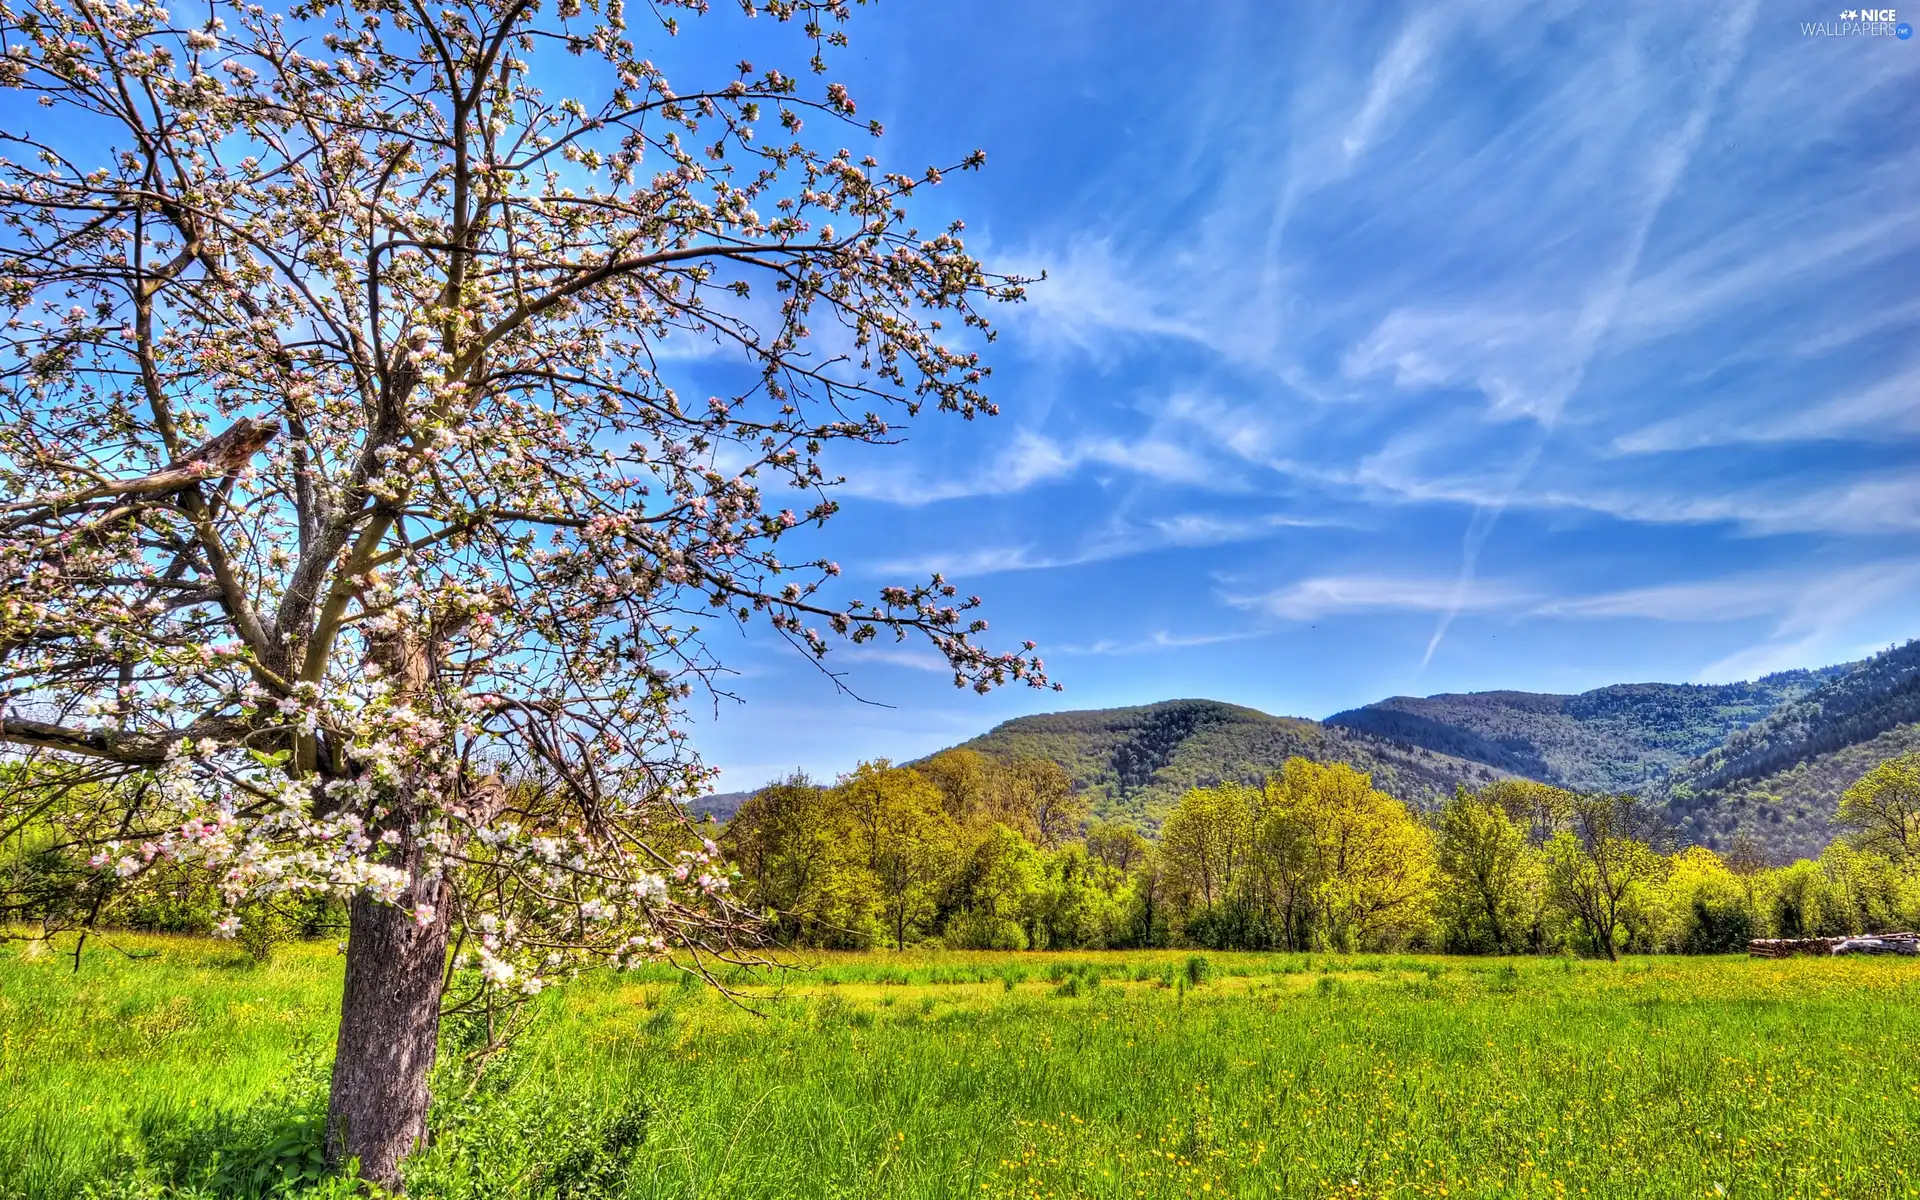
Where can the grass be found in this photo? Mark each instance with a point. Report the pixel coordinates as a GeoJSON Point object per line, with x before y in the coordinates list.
{"type": "Point", "coordinates": [192, 1073]}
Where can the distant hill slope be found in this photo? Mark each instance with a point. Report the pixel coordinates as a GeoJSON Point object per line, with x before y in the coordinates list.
{"type": "Point", "coordinates": [1788, 813]}
{"type": "Point", "coordinates": [1779, 779]}
{"type": "Point", "coordinates": [720, 805]}
{"type": "Point", "coordinates": [1138, 761]}
{"type": "Point", "coordinates": [1767, 759]}
{"type": "Point", "coordinates": [1868, 699]}
{"type": "Point", "coordinates": [1624, 738]}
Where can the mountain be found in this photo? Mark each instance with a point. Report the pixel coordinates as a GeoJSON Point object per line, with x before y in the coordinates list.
{"type": "Point", "coordinates": [1627, 737]}
{"type": "Point", "coordinates": [1788, 813]}
{"type": "Point", "coordinates": [1867, 699]}
{"type": "Point", "coordinates": [1763, 761]}
{"type": "Point", "coordinates": [1136, 762]}
{"type": "Point", "coordinates": [1779, 779]}
{"type": "Point", "coordinates": [720, 805]}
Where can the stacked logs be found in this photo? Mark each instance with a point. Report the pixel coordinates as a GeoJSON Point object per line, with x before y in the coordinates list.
{"type": "Point", "coordinates": [1788, 947]}
{"type": "Point", "coordinates": [1879, 943]}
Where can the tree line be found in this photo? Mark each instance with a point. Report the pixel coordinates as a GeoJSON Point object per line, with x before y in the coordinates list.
{"type": "Point", "coordinates": [966, 851]}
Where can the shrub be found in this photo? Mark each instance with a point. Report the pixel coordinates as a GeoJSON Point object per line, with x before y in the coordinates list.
{"type": "Point", "coordinates": [1199, 970]}
{"type": "Point", "coordinates": [262, 931]}
{"type": "Point", "coordinates": [983, 931]}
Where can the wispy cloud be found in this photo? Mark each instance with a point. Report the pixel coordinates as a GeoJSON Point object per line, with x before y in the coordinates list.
{"type": "Point", "coordinates": [1812, 612]}
{"type": "Point", "coordinates": [1311, 599]}
{"type": "Point", "coordinates": [1819, 624]}
{"type": "Point", "coordinates": [1883, 502]}
{"type": "Point", "coordinates": [1120, 539]}
{"type": "Point", "coordinates": [1159, 640]}
{"type": "Point", "coordinates": [1213, 529]}
{"type": "Point", "coordinates": [1034, 459]}
{"type": "Point", "coordinates": [1888, 407]}
{"type": "Point", "coordinates": [970, 564]}
{"type": "Point", "coordinates": [910, 655]}
{"type": "Point", "coordinates": [1090, 298]}
{"type": "Point", "coordinates": [1712, 600]}
{"type": "Point", "coordinates": [1524, 360]}
{"type": "Point", "coordinates": [1030, 460]}
{"type": "Point", "coordinates": [1758, 262]}
{"type": "Point", "coordinates": [1393, 76]}
{"type": "Point", "coordinates": [1739, 596]}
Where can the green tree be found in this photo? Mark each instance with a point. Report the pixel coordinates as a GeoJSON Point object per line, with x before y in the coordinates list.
{"type": "Point", "coordinates": [799, 861]}
{"type": "Point", "coordinates": [1145, 903]}
{"type": "Point", "coordinates": [1882, 810]}
{"type": "Point", "coordinates": [1865, 890]}
{"type": "Point", "coordinates": [1037, 797]}
{"type": "Point", "coordinates": [1116, 845]}
{"type": "Point", "coordinates": [1206, 848]}
{"type": "Point", "coordinates": [966, 782]}
{"type": "Point", "coordinates": [1799, 900]}
{"type": "Point", "coordinates": [903, 833]}
{"type": "Point", "coordinates": [995, 896]}
{"type": "Point", "coordinates": [1596, 867]}
{"type": "Point", "coordinates": [1079, 906]}
{"type": "Point", "coordinates": [1708, 908]}
{"type": "Point", "coordinates": [1486, 894]}
{"type": "Point", "coordinates": [1367, 864]}
{"type": "Point", "coordinates": [1539, 809]}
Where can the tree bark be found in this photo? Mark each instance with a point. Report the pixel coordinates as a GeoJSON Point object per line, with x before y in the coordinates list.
{"type": "Point", "coordinates": [389, 1027]}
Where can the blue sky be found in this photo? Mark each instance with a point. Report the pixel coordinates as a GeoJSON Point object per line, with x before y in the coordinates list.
{"type": "Point", "coordinates": [1392, 349]}
{"type": "Point", "coordinates": [1384, 349]}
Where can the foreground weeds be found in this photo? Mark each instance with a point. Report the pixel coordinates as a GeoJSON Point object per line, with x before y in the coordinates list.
{"type": "Point", "coordinates": [197, 1073]}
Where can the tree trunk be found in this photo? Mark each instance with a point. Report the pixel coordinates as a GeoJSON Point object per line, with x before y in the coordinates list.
{"type": "Point", "coordinates": [389, 1026]}
{"type": "Point", "coordinates": [1606, 943]}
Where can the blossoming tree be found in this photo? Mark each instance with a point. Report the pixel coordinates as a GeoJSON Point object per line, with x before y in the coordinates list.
{"type": "Point", "coordinates": [377, 431]}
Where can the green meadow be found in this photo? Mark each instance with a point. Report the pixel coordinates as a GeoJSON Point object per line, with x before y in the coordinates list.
{"type": "Point", "coordinates": [177, 1067]}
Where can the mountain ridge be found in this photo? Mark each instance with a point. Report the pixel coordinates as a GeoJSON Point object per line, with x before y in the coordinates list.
{"type": "Point", "coordinates": [1136, 761]}
{"type": "Point", "coordinates": [1763, 760]}
{"type": "Point", "coordinates": [1619, 738]}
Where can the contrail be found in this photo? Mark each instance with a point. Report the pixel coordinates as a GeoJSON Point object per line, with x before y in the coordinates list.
{"type": "Point", "coordinates": [1599, 313]}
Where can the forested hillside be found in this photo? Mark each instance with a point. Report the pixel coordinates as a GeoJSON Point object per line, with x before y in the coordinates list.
{"type": "Point", "coordinates": [1874, 696]}
{"type": "Point", "coordinates": [1778, 781]}
{"type": "Point", "coordinates": [1787, 814]}
{"type": "Point", "coordinates": [1760, 762]}
{"type": "Point", "coordinates": [720, 806]}
{"type": "Point", "coordinates": [1621, 738]}
{"type": "Point", "coordinates": [1136, 762]}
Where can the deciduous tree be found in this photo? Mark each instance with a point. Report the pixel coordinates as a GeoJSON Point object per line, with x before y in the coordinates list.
{"type": "Point", "coordinates": [1594, 867]}
{"type": "Point", "coordinates": [1486, 901]}
{"type": "Point", "coordinates": [1117, 845]}
{"type": "Point", "coordinates": [1882, 810]}
{"type": "Point", "coordinates": [1206, 844]}
{"type": "Point", "coordinates": [906, 838]}
{"type": "Point", "coordinates": [1042, 793]}
{"type": "Point", "coordinates": [1366, 865]}
{"type": "Point", "coordinates": [391, 398]}
{"type": "Point", "coordinates": [793, 844]}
